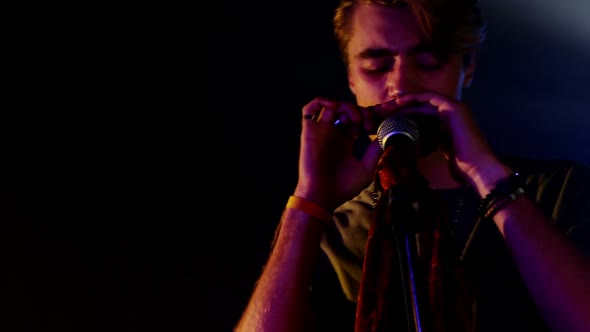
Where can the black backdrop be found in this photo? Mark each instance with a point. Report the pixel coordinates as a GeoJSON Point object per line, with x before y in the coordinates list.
{"type": "Point", "coordinates": [131, 203]}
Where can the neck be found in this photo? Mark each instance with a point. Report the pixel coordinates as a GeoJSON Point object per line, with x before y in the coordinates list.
{"type": "Point", "coordinates": [435, 168]}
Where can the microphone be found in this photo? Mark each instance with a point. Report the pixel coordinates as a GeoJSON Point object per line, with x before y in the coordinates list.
{"type": "Point", "coordinates": [399, 138]}
{"type": "Point", "coordinates": [397, 125]}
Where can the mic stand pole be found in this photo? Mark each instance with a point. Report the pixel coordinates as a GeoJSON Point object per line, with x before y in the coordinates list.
{"type": "Point", "coordinates": [402, 211]}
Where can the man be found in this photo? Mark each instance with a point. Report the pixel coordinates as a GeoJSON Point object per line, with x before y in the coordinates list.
{"type": "Point", "coordinates": [520, 235]}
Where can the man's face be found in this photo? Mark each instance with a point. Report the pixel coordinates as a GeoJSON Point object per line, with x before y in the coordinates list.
{"type": "Point", "coordinates": [388, 52]}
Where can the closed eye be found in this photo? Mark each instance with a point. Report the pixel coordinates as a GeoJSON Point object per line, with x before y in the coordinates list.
{"type": "Point", "coordinates": [429, 61]}
{"type": "Point", "coordinates": [377, 66]}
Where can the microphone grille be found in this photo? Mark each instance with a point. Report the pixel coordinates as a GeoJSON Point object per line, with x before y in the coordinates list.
{"type": "Point", "coordinates": [397, 125]}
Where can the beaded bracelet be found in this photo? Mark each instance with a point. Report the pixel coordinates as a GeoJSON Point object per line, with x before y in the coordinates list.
{"type": "Point", "coordinates": [315, 210]}
{"type": "Point", "coordinates": [504, 188]}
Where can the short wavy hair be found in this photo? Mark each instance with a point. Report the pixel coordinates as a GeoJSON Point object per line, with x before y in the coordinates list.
{"type": "Point", "coordinates": [451, 25]}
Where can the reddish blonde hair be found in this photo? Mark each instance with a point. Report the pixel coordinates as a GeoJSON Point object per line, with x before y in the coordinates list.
{"type": "Point", "coordinates": [451, 25]}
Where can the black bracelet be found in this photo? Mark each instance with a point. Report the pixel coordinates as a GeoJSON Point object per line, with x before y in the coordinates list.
{"type": "Point", "coordinates": [497, 205]}
{"type": "Point", "coordinates": [504, 188]}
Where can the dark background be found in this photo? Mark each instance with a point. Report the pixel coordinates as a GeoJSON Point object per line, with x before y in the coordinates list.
{"type": "Point", "coordinates": [530, 96]}
{"type": "Point", "coordinates": [131, 203]}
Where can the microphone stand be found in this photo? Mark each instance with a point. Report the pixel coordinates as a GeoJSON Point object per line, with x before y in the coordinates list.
{"type": "Point", "coordinates": [404, 187]}
{"type": "Point", "coordinates": [402, 211]}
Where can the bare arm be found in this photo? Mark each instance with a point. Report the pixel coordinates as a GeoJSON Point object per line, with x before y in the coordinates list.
{"type": "Point", "coordinates": [329, 175]}
{"type": "Point", "coordinates": [556, 273]}
{"type": "Point", "coordinates": [280, 301]}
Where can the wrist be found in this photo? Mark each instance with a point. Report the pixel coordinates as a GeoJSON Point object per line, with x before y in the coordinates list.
{"type": "Point", "coordinates": [310, 207]}
{"type": "Point", "coordinates": [485, 179]}
{"type": "Point", "coordinates": [316, 195]}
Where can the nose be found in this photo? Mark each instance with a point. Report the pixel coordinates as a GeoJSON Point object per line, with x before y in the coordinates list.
{"type": "Point", "coordinates": [401, 80]}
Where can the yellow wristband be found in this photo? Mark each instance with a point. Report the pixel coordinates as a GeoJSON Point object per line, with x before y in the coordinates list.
{"type": "Point", "coordinates": [310, 208]}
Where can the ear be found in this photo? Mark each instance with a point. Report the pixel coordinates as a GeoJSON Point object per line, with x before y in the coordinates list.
{"type": "Point", "coordinates": [469, 60]}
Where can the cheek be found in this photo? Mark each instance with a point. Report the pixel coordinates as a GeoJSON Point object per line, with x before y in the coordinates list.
{"type": "Point", "coordinates": [368, 91]}
{"type": "Point", "coordinates": [452, 81]}
{"type": "Point", "coordinates": [449, 85]}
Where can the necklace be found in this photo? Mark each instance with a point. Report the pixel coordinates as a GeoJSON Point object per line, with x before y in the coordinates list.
{"type": "Point", "coordinates": [456, 202]}
{"type": "Point", "coordinates": [457, 214]}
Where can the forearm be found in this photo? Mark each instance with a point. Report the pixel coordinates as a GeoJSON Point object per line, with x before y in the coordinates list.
{"type": "Point", "coordinates": [280, 301]}
{"type": "Point", "coordinates": [555, 272]}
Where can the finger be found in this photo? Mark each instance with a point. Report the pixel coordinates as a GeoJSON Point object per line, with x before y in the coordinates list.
{"type": "Point", "coordinates": [312, 109]}
{"type": "Point", "coordinates": [351, 112]}
{"type": "Point", "coordinates": [340, 116]}
{"type": "Point", "coordinates": [371, 119]}
{"type": "Point", "coordinates": [385, 109]}
{"type": "Point", "coordinates": [343, 120]}
{"type": "Point", "coordinates": [409, 105]}
{"type": "Point", "coordinates": [327, 114]}
{"type": "Point", "coordinates": [441, 103]}
{"type": "Point", "coordinates": [423, 96]}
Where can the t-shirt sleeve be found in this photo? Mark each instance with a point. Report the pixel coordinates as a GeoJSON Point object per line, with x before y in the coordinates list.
{"type": "Point", "coordinates": [561, 189]}
{"type": "Point", "coordinates": [571, 210]}
{"type": "Point", "coordinates": [344, 241]}
{"type": "Point", "coordinates": [337, 276]}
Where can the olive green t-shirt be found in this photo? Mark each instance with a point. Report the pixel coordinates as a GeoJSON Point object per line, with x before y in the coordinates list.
{"type": "Point", "coordinates": [560, 188]}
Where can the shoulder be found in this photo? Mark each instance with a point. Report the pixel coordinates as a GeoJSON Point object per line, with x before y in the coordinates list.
{"type": "Point", "coordinates": [551, 175]}
{"type": "Point", "coordinates": [561, 188]}
{"type": "Point", "coordinates": [545, 167]}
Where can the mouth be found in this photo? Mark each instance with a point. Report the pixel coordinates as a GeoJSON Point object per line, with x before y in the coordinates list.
{"type": "Point", "coordinates": [415, 111]}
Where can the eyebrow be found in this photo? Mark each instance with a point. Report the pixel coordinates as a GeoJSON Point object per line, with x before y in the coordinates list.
{"type": "Point", "coordinates": [371, 53]}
